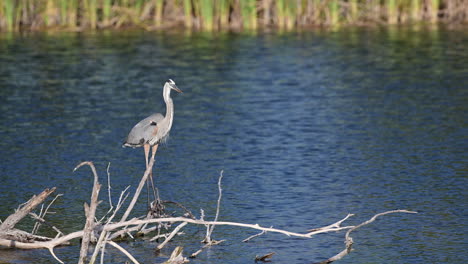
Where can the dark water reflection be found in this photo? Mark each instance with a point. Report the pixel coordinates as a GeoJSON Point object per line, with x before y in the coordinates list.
{"type": "Point", "coordinates": [306, 126]}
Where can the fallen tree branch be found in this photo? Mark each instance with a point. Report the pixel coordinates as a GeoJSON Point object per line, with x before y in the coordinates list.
{"type": "Point", "coordinates": [135, 222]}
{"type": "Point", "coordinates": [106, 232]}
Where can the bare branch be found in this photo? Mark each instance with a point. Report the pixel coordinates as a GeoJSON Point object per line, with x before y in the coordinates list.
{"type": "Point", "coordinates": [334, 225]}
{"type": "Point", "coordinates": [90, 213]}
{"type": "Point", "coordinates": [51, 250]}
{"type": "Point", "coordinates": [42, 215]}
{"type": "Point", "coordinates": [13, 219]}
{"type": "Point", "coordinates": [136, 221]}
{"type": "Point", "coordinates": [109, 186]}
{"type": "Point", "coordinates": [212, 243]}
{"type": "Point", "coordinates": [43, 221]}
{"type": "Point", "coordinates": [138, 190]}
{"type": "Point", "coordinates": [177, 257]}
{"type": "Point", "coordinates": [187, 211]}
{"type": "Point", "coordinates": [256, 235]}
{"type": "Point", "coordinates": [173, 233]}
{"type": "Point", "coordinates": [112, 243]}
{"type": "Point", "coordinates": [104, 235]}
{"type": "Point", "coordinates": [349, 240]}
{"type": "Point", "coordinates": [210, 228]}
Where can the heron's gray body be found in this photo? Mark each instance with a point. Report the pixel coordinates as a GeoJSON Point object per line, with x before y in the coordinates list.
{"type": "Point", "coordinates": [145, 130]}
{"type": "Point", "coordinates": [155, 128]}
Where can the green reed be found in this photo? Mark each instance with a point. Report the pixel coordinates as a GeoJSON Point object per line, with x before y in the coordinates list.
{"type": "Point", "coordinates": [353, 10]}
{"type": "Point", "coordinates": [249, 13]}
{"type": "Point", "coordinates": [158, 12]}
{"type": "Point", "coordinates": [8, 11]}
{"type": "Point", "coordinates": [206, 14]}
{"type": "Point", "coordinates": [222, 14]}
{"type": "Point", "coordinates": [434, 10]}
{"type": "Point", "coordinates": [415, 9]}
{"type": "Point", "coordinates": [188, 13]}
{"type": "Point", "coordinates": [392, 15]}
{"type": "Point", "coordinates": [106, 11]}
{"type": "Point", "coordinates": [334, 12]}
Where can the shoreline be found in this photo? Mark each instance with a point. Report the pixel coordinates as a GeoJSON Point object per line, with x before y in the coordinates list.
{"type": "Point", "coordinates": [225, 15]}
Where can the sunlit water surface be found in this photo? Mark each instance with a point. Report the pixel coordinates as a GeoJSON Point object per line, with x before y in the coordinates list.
{"type": "Point", "coordinates": [307, 128]}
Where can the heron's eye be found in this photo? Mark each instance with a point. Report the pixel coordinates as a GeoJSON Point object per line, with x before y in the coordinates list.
{"type": "Point", "coordinates": [153, 123]}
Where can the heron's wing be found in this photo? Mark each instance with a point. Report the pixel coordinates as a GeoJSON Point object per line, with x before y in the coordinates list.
{"type": "Point", "coordinates": [144, 131]}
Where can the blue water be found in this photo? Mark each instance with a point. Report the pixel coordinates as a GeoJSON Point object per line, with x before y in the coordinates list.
{"type": "Point", "coordinates": [307, 127]}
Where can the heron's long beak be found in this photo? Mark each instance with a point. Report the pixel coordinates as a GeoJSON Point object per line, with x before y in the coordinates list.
{"type": "Point", "coordinates": [175, 88]}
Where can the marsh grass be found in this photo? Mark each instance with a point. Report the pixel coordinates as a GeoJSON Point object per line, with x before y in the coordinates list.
{"type": "Point", "coordinates": [211, 15]}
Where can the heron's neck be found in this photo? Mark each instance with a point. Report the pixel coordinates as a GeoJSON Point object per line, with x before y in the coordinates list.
{"type": "Point", "coordinates": [169, 111]}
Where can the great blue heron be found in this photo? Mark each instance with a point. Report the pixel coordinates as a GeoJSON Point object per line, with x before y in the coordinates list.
{"type": "Point", "coordinates": [154, 129]}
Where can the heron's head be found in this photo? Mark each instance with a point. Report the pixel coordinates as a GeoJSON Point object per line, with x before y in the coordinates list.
{"type": "Point", "coordinates": [171, 84]}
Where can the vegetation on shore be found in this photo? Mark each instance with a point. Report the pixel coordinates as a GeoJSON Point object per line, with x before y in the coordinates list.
{"type": "Point", "coordinates": [16, 15]}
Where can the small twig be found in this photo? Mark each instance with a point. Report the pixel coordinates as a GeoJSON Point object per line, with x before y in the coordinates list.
{"type": "Point", "coordinates": [187, 211]}
{"type": "Point", "coordinates": [212, 243]}
{"type": "Point", "coordinates": [202, 215]}
{"type": "Point", "coordinates": [112, 243]}
{"type": "Point", "coordinates": [111, 207]}
{"type": "Point", "coordinates": [42, 215]}
{"type": "Point", "coordinates": [127, 231]}
{"type": "Point", "coordinates": [37, 224]}
{"type": "Point", "coordinates": [334, 225]}
{"type": "Point", "coordinates": [173, 233]}
{"type": "Point", "coordinates": [51, 250]}
{"type": "Point", "coordinates": [109, 185]}
{"type": "Point", "coordinates": [210, 229]}
{"type": "Point", "coordinates": [158, 236]}
{"type": "Point", "coordinates": [43, 221]}
{"type": "Point", "coordinates": [256, 235]}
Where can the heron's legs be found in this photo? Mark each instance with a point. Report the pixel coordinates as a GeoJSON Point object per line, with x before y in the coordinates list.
{"type": "Point", "coordinates": [146, 148]}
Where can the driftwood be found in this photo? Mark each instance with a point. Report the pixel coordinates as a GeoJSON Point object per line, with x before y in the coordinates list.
{"type": "Point", "coordinates": [104, 231]}
{"type": "Point", "coordinates": [90, 212]}
{"type": "Point", "coordinates": [14, 236]}
{"type": "Point", "coordinates": [10, 222]}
